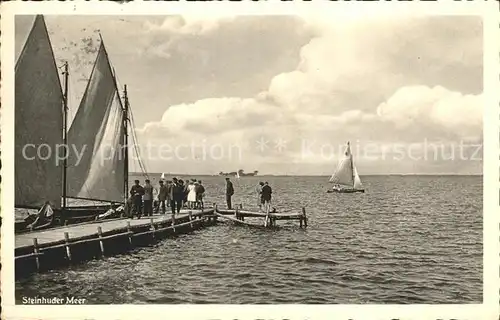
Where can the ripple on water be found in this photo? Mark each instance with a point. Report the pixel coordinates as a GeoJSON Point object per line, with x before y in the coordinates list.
{"type": "Point", "coordinates": [407, 240]}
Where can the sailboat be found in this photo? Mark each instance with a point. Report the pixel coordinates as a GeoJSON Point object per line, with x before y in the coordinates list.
{"type": "Point", "coordinates": [346, 179]}
{"type": "Point", "coordinates": [39, 103]}
{"type": "Point", "coordinates": [98, 132]}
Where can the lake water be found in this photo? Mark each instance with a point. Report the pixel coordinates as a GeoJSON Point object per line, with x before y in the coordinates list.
{"type": "Point", "coordinates": [408, 239]}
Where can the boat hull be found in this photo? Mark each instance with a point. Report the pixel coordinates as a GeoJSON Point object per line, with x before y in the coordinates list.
{"type": "Point", "coordinates": [346, 191]}
{"type": "Point", "coordinates": [72, 215]}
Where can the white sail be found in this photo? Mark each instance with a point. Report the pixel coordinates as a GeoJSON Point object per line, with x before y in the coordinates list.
{"type": "Point", "coordinates": [357, 181]}
{"type": "Point", "coordinates": [38, 121]}
{"type": "Point", "coordinates": [98, 130]}
{"type": "Point", "coordinates": [344, 174]}
{"type": "Point", "coordinates": [162, 176]}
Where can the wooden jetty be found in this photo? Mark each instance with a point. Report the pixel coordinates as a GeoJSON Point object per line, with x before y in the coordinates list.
{"type": "Point", "coordinates": [238, 215]}
{"type": "Point", "coordinates": [56, 247]}
{"type": "Point", "coordinates": [61, 246]}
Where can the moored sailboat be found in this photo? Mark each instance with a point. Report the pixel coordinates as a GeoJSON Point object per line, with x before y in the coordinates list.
{"type": "Point", "coordinates": [346, 179]}
{"type": "Point", "coordinates": [39, 104]}
{"type": "Point", "coordinates": [98, 132]}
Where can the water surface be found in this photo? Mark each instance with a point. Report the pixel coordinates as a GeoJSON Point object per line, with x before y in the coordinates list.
{"type": "Point", "coordinates": [408, 239]}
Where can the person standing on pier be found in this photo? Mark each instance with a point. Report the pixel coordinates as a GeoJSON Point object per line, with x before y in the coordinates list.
{"type": "Point", "coordinates": [229, 193]}
{"type": "Point", "coordinates": [266, 196]}
{"type": "Point", "coordinates": [185, 186]}
{"type": "Point", "coordinates": [199, 195]}
{"type": "Point", "coordinates": [258, 190]}
{"type": "Point", "coordinates": [137, 191]}
{"type": "Point", "coordinates": [169, 193]}
{"type": "Point", "coordinates": [148, 198]}
{"type": "Point", "coordinates": [184, 192]}
{"type": "Point", "coordinates": [177, 194]}
{"type": "Point", "coordinates": [191, 195]}
{"type": "Point", "coordinates": [162, 196]}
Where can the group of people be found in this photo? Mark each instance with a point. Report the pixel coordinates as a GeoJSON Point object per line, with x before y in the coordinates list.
{"type": "Point", "coordinates": [174, 193]}
{"type": "Point", "coordinates": [264, 195]}
{"type": "Point", "coordinates": [177, 194]}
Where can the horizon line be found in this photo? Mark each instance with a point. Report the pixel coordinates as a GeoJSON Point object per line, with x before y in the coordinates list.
{"type": "Point", "coordinates": [308, 175]}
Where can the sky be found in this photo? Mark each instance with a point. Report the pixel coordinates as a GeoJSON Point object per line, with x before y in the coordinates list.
{"type": "Point", "coordinates": [283, 94]}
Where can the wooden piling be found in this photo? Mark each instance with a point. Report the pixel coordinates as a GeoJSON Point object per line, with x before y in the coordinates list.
{"type": "Point", "coordinates": [236, 213]}
{"type": "Point", "coordinates": [151, 222]}
{"type": "Point", "coordinates": [101, 243]}
{"type": "Point", "coordinates": [32, 247]}
{"type": "Point", "coordinates": [129, 233]}
{"type": "Point", "coordinates": [36, 251]}
{"type": "Point", "coordinates": [304, 217]}
{"type": "Point", "coordinates": [267, 217]}
{"type": "Point", "coordinates": [68, 250]}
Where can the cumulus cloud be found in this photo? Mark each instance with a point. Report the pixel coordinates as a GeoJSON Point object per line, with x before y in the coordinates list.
{"type": "Point", "coordinates": [188, 24]}
{"type": "Point", "coordinates": [367, 81]}
{"type": "Point", "coordinates": [443, 113]}
{"type": "Point", "coordinates": [397, 81]}
{"type": "Point", "coordinates": [448, 110]}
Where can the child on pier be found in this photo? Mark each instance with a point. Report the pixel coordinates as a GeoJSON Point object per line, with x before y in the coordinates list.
{"type": "Point", "coordinates": [191, 198]}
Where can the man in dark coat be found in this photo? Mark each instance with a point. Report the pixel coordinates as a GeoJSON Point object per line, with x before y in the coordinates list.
{"type": "Point", "coordinates": [266, 196]}
{"type": "Point", "coordinates": [200, 191]}
{"type": "Point", "coordinates": [229, 192]}
{"type": "Point", "coordinates": [137, 191]}
{"type": "Point", "coordinates": [177, 196]}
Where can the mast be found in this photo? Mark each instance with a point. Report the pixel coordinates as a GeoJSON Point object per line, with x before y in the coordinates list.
{"type": "Point", "coordinates": [125, 141]}
{"type": "Point", "coordinates": [351, 161]}
{"type": "Point", "coordinates": [125, 108]}
{"type": "Point", "coordinates": [65, 135]}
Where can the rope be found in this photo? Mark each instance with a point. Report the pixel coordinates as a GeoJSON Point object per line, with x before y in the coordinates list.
{"type": "Point", "coordinates": [131, 124]}
{"type": "Point", "coordinates": [136, 149]}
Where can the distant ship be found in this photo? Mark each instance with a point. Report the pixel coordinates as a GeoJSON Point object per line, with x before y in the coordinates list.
{"type": "Point", "coordinates": [239, 173]}
{"type": "Point", "coordinates": [346, 179]}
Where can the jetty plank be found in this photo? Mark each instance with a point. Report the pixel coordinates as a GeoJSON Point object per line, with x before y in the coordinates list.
{"type": "Point", "coordinates": [277, 215]}
{"type": "Point", "coordinates": [235, 220]}
{"type": "Point", "coordinates": [270, 218]}
{"type": "Point", "coordinates": [55, 235]}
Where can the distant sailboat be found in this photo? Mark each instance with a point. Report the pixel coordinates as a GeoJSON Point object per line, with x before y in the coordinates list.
{"type": "Point", "coordinates": [346, 178]}
{"type": "Point", "coordinates": [163, 176]}
{"type": "Point", "coordinates": [237, 175]}
{"type": "Point", "coordinates": [99, 129]}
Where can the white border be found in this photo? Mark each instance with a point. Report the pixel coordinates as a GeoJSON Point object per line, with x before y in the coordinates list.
{"type": "Point", "coordinates": [488, 310]}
